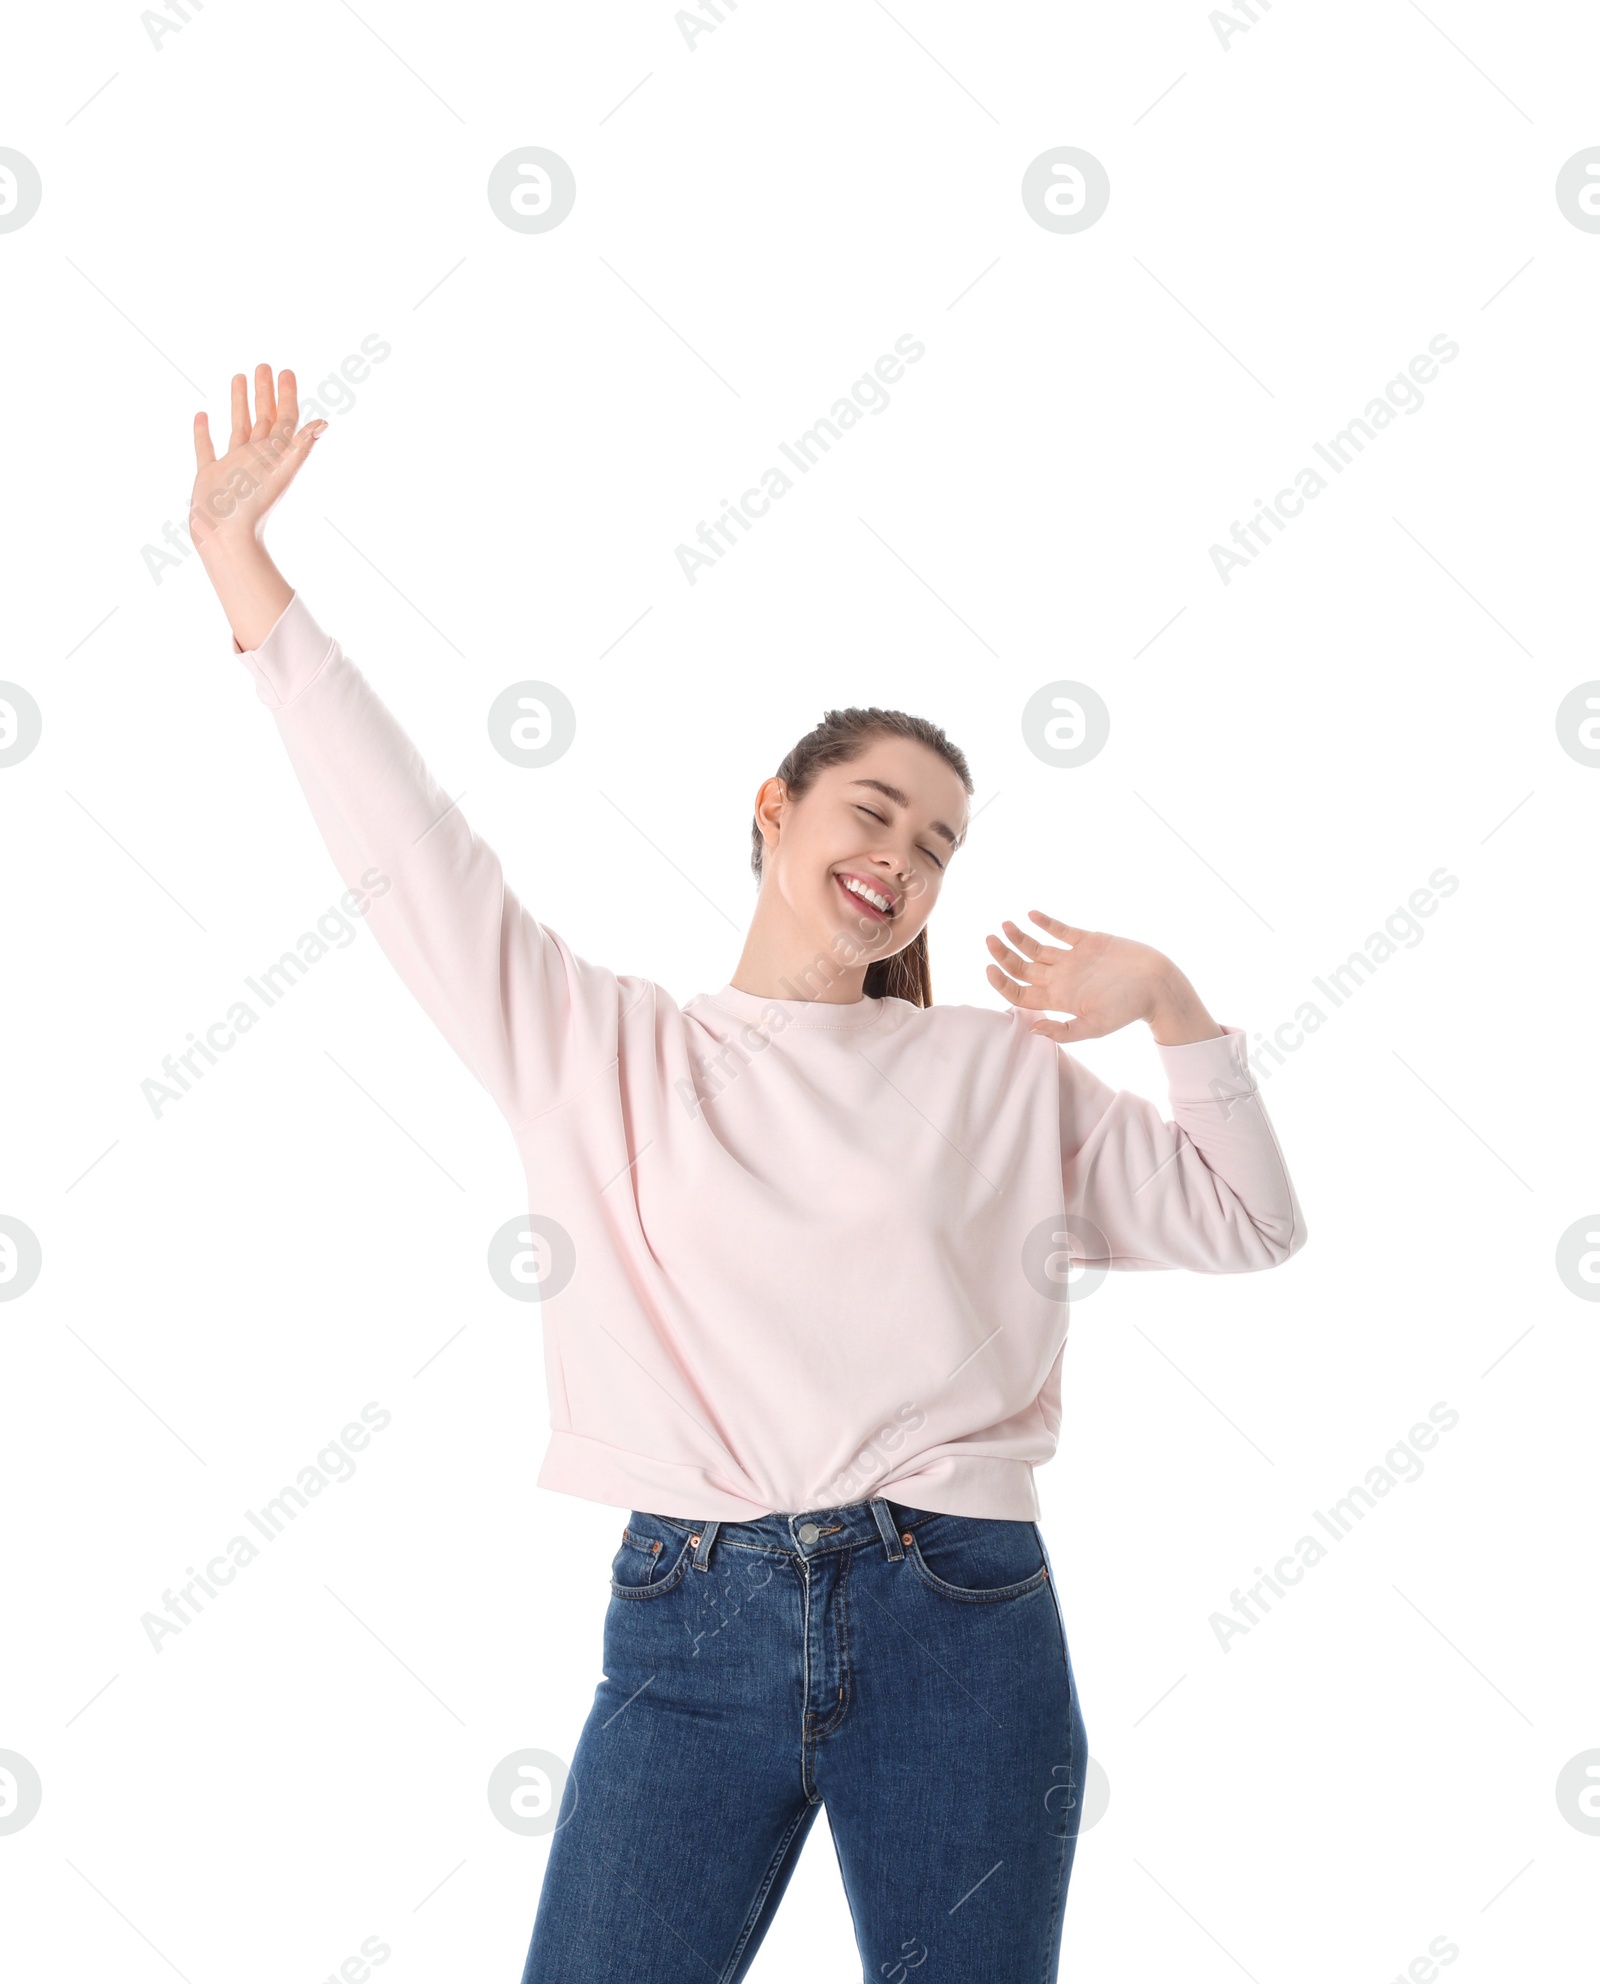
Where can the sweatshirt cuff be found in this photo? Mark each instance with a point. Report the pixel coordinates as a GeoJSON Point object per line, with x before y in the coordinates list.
{"type": "Point", "coordinates": [1193, 1065]}
{"type": "Point", "coordinates": [290, 656]}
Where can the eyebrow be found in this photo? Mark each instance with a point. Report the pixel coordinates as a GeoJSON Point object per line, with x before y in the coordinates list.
{"type": "Point", "coordinates": [893, 792]}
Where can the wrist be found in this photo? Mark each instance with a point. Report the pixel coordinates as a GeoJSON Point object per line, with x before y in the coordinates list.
{"type": "Point", "coordinates": [1176, 1014]}
{"type": "Point", "coordinates": [229, 547]}
{"type": "Point", "coordinates": [252, 591]}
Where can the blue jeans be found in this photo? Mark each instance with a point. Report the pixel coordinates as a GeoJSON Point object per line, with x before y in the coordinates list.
{"type": "Point", "coordinates": [905, 1668]}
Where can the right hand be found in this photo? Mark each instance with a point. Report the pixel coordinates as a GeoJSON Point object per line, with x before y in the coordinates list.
{"type": "Point", "coordinates": [232, 496]}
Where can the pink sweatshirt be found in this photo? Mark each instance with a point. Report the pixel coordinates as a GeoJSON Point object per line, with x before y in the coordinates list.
{"type": "Point", "coordinates": [816, 1250]}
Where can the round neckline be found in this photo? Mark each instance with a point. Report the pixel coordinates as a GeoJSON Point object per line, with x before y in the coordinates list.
{"type": "Point", "coordinates": [835, 1017]}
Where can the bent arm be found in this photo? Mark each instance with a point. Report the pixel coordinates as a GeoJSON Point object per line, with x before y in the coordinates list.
{"type": "Point", "coordinates": [528, 1017]}
{"type": "Point", "coordinates": [1207, 1189]}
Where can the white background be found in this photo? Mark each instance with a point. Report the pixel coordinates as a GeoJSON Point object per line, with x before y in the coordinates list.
{"type": "Point", "coordinates": [1292, 219]}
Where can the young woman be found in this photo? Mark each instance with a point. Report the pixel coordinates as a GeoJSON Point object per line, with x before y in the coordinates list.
{"type": "Point", "coordinates": [803, 1314]}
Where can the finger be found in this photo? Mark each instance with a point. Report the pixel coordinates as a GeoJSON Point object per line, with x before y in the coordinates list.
{"type": "Point", "coordinates": [1074, 1029]}
{"type": "Point", "coordinates": [1017, 966]}
{"type": "Point", "coordinates": [1020, 995]}
{"type": "Point", "coordinates": [265, 408]}
{"type": "Point", "coordinates": [204, 453]}
{"type": "Point", "coordinates": [1024, 939]}
{"type": "Point", "coordinates": [288, 403]}
{"type": "Point", "coordinates": [1056, 1029]}
{"type": "Point", "coordinates": [1068, 931]}
{"type": "Point", "coordinates": [298, 448]}
{"type": "Point", "coordinates": [241, 413]}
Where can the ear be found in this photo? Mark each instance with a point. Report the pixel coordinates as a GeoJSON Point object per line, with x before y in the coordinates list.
{"type": "Point", "coordinates": [771, 799]}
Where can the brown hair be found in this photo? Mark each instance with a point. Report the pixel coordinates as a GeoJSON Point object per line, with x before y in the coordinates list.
{"type": "Point", "coordinates": [840, 738]}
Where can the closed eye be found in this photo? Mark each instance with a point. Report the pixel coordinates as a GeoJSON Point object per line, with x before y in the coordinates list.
{"type": "Point", "coordinates": [883, 822]}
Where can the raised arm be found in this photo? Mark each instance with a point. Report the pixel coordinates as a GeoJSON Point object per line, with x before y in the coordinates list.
{"type": "Point", "coordinates": [531, 1020]}
{"type": "Point", "coordinates": [1206, 1188]}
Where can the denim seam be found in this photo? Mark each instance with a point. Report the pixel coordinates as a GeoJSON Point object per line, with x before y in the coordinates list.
{"type": "Point", "coordinates": [1074, 1713]}
{"type": "Point", "coordinates": [837, 1715]}
{"type": "Point", "coordinates": [1050, 1971]}
{"type": "Point", "coordinates": [1057, 1899]}
{"type": "Point", "coordinates": [658, 1587]}
{"type": "Point", "coordinates": [780, 1854]}
{"type": "Point", "coordinates": [806, 1738]}
{"type": "Point", "coordinates": [1001, 1592]}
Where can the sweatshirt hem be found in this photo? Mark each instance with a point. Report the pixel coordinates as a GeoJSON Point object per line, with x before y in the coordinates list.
{"type": "Point", "coordinates": [966, 1485]}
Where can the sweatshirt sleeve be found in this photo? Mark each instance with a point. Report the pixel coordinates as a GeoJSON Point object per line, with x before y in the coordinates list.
{"type": "Point", "coordinates": [530, 1019]}
{"type": "Point", "coordinates": [1207, 1190]}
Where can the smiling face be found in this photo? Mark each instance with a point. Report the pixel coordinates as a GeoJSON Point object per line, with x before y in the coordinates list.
{"type": "Point", "coordinates": [857, 861]}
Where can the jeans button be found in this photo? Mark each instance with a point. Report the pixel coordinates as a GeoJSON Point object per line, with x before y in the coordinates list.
{"type": "Point", "coordinates": [808, 1532]}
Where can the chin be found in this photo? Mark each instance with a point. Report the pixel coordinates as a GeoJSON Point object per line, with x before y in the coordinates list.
{"type": "Point", "coordinates": [848, 946]}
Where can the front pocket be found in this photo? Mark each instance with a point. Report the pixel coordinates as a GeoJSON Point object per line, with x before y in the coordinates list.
{"type": "Point", "coordinates": [649, 1561]}
{"type": "Point", "coordinates": [977, 1558]}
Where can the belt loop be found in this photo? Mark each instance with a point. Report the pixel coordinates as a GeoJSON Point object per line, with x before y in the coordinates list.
{"type": "Point", "coordinates": [703, 1543]}
{"type": "Point", "coordinates": [887, 1530]}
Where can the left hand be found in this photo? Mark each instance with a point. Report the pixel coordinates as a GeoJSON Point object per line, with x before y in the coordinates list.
{"type": "Point", "coordinates": [1103, 981]}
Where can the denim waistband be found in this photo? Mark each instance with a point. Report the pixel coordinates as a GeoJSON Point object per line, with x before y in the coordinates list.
{"type": "Point", "coordinates": [807, 1532]}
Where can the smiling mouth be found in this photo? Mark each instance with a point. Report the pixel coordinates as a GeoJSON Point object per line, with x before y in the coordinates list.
{"type": "Point", "coordinates": [853, 889]}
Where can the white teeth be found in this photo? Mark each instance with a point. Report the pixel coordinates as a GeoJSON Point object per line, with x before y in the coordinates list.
{"type": "Point", "coordinates": [870, 895]}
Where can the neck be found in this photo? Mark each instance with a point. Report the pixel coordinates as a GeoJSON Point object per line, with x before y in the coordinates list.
{"type": "Point", "coordinates": [782, 960]}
